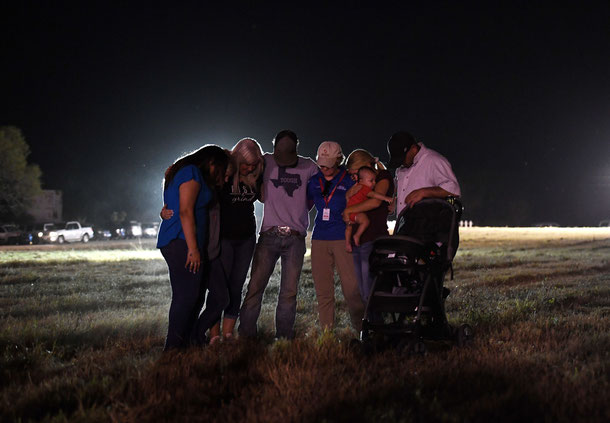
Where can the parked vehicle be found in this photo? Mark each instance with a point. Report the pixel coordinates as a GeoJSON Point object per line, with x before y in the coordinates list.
{"type": "Point", "coordinates": [9, 234]}
{"type": "Point", "coordinates": [133, 229]}
{"type": "Point", "coordinates": [102, 234]}
{"type": "Point", "coordinates": [71, 232]}
{"type": "Point", "coordinates": [150, 230]}
{"type": "Point", "coordinates": [119, 233]}
{"type": "Point", "coordinates": [38, 234]}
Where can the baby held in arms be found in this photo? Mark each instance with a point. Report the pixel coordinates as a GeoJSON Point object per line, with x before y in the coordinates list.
{"type": "Point", "coordinates": [360, 192]}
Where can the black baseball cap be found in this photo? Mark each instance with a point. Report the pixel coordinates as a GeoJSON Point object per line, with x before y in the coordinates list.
{"type": "Point", "coordinates": [398, 145]}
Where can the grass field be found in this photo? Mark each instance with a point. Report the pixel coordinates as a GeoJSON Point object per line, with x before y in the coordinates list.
{"type": "Point", "coordinates": [82, 328]}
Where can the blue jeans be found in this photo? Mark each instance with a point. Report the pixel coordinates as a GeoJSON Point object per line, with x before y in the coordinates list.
{"type": "Point", "coordinates": [361, 263]}
{"type": "Point", "coordinates": [270, 248]}
{"type": "Point", "coordinates": [188, 291]}
{"type": "Point", "coordinates": [236, 256]}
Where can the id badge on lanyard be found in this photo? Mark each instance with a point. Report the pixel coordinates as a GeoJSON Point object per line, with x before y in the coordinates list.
{"type": "Point", "coordinates": [326, 210]}
{"type": "Point", "coordinates": [326, 214]}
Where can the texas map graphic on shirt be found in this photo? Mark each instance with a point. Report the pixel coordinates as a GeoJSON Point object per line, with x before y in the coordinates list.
{"type": "Point", "coordinates": [290, 181]}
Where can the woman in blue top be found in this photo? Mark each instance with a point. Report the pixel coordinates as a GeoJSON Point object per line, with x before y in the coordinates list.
{"type": "Point", "coordinates": [327, 191]}
{"type": "Point", "coordinates": [188, 188]}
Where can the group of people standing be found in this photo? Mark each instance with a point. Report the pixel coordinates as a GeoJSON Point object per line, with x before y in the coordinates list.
{"type": "Point", "coordinates": [208, 232]}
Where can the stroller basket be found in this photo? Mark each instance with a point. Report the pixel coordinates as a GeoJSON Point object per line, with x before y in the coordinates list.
{"type": "Point", "coordinates": [394, 253]}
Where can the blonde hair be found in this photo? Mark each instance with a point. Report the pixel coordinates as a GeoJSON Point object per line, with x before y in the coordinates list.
{"type": "Point", "coordinates": [247, 150]}
{"type": "Point", "coordinates": [360, 158]}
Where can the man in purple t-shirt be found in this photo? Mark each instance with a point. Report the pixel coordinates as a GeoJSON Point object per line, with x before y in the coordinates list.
{"type": "Point", "coordinates": [285, 222]}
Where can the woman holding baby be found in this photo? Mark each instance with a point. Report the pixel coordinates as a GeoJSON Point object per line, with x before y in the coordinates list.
{"type": "Point", "coordinates": [375, 208]}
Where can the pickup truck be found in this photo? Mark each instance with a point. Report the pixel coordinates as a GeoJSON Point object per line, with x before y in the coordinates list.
{"type": "Point", "coordinates": [9, 234]}
{"type": "Point", "coordinates": [72, 231]}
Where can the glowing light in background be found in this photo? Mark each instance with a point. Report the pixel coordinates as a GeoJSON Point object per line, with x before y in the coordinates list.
{"type": "Point", "coordinates": [535, 234]}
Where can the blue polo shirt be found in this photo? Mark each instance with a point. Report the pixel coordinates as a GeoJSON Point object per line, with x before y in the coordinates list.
{"type": "Point", "coordinates": [334, 228]}
{"type": "Point", "coordinates": [171, 229]}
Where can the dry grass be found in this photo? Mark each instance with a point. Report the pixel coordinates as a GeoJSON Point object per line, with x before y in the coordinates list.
{"type": "Point", "coordinates": [81, 331]}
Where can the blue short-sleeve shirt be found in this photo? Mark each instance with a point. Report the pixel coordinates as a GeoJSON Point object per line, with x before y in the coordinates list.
{"type": "Point", "coordinates": [171, 229]}
{"type": "Point", "coordinates": [334, 228]}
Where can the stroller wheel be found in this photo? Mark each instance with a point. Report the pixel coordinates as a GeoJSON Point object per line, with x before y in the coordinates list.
{"type": "Point", "coordinates": [464, 335]}
{"type": "Point", "coordinates": [368, 347]}
{"type": "Point", "coordinates": [373, 344]}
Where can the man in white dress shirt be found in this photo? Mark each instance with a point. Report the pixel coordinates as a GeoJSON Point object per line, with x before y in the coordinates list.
{"type": "Point", "coordinates": [420, 172]}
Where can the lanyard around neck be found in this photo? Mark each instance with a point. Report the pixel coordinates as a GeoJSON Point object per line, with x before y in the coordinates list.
{"type": "Point", "coordinates": [328, 198]}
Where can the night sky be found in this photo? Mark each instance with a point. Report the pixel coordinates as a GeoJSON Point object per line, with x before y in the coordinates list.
{"type": "Point", "coordinates": [517, 97]}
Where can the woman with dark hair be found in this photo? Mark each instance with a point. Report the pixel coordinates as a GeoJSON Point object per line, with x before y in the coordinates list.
{"type": "Point", "coordinates": [188, 187]}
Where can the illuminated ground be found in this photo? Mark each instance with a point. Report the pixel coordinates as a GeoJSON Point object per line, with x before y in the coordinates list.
{"type": "Point", "coordinates": [82, 327]}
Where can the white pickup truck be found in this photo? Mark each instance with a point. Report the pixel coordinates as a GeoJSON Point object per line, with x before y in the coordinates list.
{"type": "Point", "coordinates": [71, 232]}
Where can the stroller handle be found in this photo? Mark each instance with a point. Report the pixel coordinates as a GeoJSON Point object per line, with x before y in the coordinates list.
{"type": "Point", "coordinates": [451, 204]}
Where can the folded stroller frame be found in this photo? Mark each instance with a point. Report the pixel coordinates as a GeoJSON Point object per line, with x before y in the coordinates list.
{"type": "Point", "coordinates": [406, 304]}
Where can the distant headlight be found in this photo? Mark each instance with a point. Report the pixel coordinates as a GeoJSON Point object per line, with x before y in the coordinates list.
{"type": "Point", "coordinates": [150, 231]}
{"type": "Point", "coordinates": [53, 236]}
{"type": "Point", "coordinates": [40, 234]}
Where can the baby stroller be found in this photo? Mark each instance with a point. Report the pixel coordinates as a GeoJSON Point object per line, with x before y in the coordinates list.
{"type": "Point", "coordinates": [407, 300]}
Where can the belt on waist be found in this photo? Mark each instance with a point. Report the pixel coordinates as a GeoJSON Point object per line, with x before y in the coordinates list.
{"type": "Point", "coordinates": [282, 231]}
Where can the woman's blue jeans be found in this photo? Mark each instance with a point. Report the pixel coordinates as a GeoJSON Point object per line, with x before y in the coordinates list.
{"type": "Point", "coordinates": [361, 256]}
{"type": "Point", "coordinates": [188, 291]}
